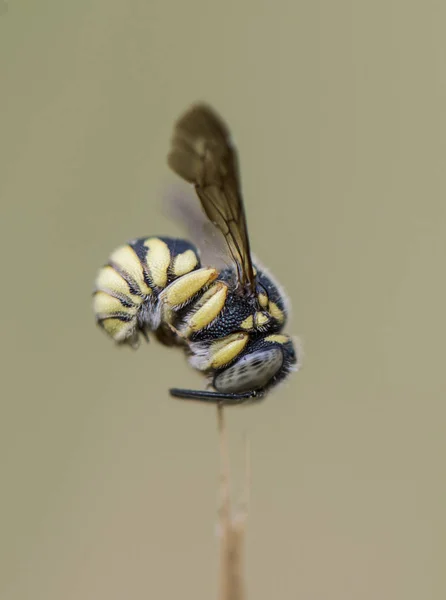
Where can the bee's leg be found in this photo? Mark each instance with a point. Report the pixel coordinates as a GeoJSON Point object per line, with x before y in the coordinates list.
{"type": "Point", "coordinates": [212, 397]}
{"type": "Point", "coordinates": [145, 335]}
{"type": "Point", "coordinates": [184, 288]}
{"type": "Point", "coordinates": [177, 332]}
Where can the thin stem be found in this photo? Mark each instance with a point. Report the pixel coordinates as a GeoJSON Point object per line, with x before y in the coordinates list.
{"type": "Point", "coordinates": [232, 527]}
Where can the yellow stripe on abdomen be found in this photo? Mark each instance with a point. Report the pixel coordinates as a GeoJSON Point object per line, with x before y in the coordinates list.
{"type": "Point", "coordinates": [125, 260]}
{"type": "Point", "coordinates": [105, 305]}
{"type": "Point", "coordinates": [158, 261]}
{"type": "Point", "coordinates": [117, 320]}
{"type": "Point", "coordinates": [117, 329]}
{"type": "Point", "coordinates": [111, 282]}
{"type": "Point", "coordinates": [184, 263]}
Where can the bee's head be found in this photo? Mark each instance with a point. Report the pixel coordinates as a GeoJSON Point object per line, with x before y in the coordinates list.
{"type": "Point", "coordinates": [265, 362]}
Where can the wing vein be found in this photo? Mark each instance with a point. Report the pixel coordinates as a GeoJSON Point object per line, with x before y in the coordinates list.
{"type": "Point", "coordinates": [202, 153]}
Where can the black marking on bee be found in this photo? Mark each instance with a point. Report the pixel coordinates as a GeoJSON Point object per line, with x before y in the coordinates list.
{"type": "Point", "coordinates": [124, 317]}
{"type": "Point", "coordinates": [124, 300]}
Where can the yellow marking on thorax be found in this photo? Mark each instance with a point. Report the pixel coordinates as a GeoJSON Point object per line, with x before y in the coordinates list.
{"type": "Point", "coordinates": [255, 321]}
{"type": "Point", "coordinates": [277, 337]}
{"type": "Point", "coordinates": [104, 304]}
{"type": "Point", "coordinates": [184, 263]}
{"type": "Point", "coordinates": [227, 349]}
{"type": "Point", "coordinates": [263, 299]}
{"type": "Point", "coordinates": [210, 306]}
{"type": "Point", "coordinates": [276, 312]}
{"type": "Point", "coordinates": [260, 318]}
{"type": "Point", "coordinates": [109, 279]}
{"type": "Point", "coordinates": [183, 289]}
{"type": "Point", "coordinates": [125, 257]}
{"type": "Point", "coordinates": [158, 260]}
{"type": "Point", "coordinates": [248, 323]}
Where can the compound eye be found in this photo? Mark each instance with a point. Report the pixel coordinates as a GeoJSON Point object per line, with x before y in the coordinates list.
{"type": "Point", "coordinates": [251, 372]}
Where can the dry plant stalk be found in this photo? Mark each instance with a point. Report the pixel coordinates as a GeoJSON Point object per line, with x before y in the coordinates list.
{"type": "Point", "coordinates": [232, 525]}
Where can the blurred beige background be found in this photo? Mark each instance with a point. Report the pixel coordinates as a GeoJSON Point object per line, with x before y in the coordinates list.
{"type": "Point", "coordinates": [108, 487]}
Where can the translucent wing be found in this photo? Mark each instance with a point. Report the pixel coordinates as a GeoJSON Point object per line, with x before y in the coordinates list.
{"type": "Point", "coordinates": [180, 204]}
{"type": "Point", "coordinates": [202, 154]}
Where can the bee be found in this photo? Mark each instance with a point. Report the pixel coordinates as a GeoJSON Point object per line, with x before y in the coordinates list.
{"type": "Point", "coordinates": [229, 320]}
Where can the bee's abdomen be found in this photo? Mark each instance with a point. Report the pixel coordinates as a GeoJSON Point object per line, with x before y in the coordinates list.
{"type": "Point", "coordinates": [127, 288]}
